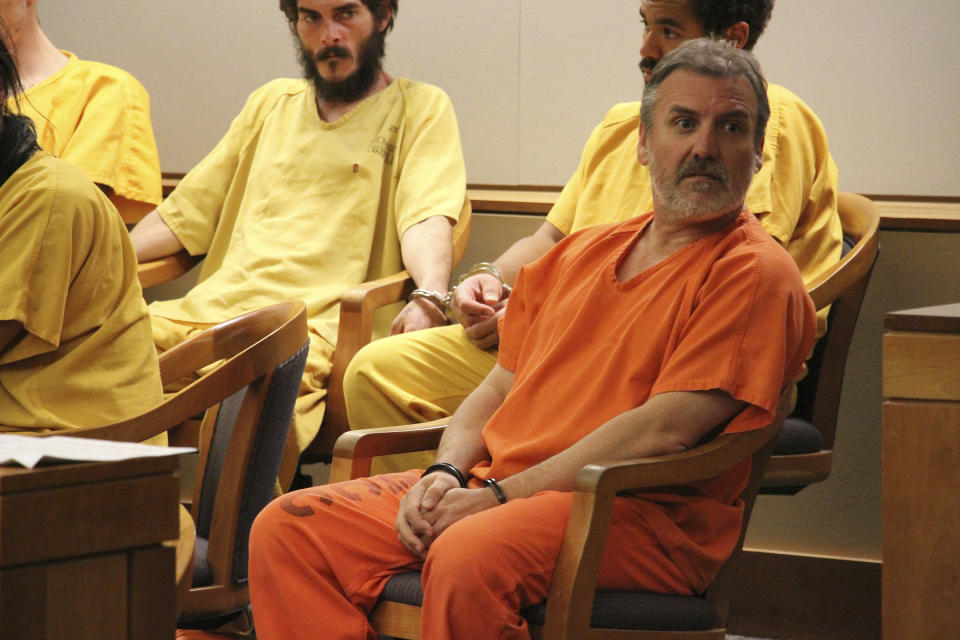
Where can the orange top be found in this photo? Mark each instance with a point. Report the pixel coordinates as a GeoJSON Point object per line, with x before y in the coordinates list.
{"type": "Point", "coordinates": [727, 312]}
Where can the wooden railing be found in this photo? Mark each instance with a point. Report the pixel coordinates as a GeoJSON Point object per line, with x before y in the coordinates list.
{"type": "Point", "coordinates": [897, 213]}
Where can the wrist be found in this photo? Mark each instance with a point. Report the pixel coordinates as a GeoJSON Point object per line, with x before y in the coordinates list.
{"type": "Point", "coordinates": [432, 302]}
{"type": "Point", "coordinates": [492, 270]}
{"type": "Point", "coordinates": [447, 468]}
{"type": "Point", "coordinates": [494, 486]}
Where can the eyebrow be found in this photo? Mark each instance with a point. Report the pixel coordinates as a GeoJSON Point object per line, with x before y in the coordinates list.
{"type": "Point", "coordinates": [351, 4]}
{"type": "Point", "coordinates": [665, 21]}
{"type": "Point", "coordinates": [738, 113]}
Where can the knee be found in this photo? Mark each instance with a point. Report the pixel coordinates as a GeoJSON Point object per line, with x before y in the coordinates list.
{"type": "Point", "coordinates": [360, 377]}
{"type": "Point", "coordinates": [464, 555]}
{"type": "Point", "coordinates": [278, 525]}
{"type": "Point", "coordinates": [264, 531]}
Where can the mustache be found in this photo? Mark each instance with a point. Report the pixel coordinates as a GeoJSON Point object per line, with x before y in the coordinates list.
{"type": "Point", "coordinates": [647, 64]}
{"type": "Point", "coordinates": [703, 167]}
{"type": "Point", "coordinates": [334, 51]}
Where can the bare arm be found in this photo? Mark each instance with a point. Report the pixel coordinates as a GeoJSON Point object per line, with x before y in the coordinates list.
{"type": "Point", "coordinates": [427, 251]}
{"type": "Point", "coordinates": [153, 239]}
{"type": "Point", "coordinates": [478, 302]}
{"type": "Point", "coordinates": [667, 423]}
{"type": "Point", "coordinates": [460, 446]}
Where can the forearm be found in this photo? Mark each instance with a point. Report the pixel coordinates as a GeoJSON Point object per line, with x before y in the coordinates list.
{"type": "Point", "coordinates": [667, 423]}
{"type": "Point", "coordinates": [153, 239]}
{"type": "Point", "coordinates": [527, 250]}
{"type": "Point", "coordinates": [462, 444]}
{"type": "Point", "coordinates": [427, 252]}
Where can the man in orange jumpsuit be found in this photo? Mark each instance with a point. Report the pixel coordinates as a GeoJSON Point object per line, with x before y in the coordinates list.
{"type": "Point", "coordinates": [627, 340]}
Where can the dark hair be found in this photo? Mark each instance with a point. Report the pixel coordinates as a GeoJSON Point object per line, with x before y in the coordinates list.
{"type": "Point", "coordinates": [714, 57]}
{"type": "Point", "coordinates": [18, 138]}
{"type": "Point", "coordinates": [377, 7]}
{"type": "Point", "coordinates": [716, 17]}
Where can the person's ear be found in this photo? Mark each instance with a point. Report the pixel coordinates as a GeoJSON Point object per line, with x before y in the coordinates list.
{"type": "Point", "coordinates": [386, 20]}
{"type": "Point", "coordinates": [737, 34]}
{"type": "Point", "coordinates": [643, 155]}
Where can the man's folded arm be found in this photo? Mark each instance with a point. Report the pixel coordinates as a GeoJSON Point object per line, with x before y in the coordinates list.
{"type": "Point", "coordinates": [667, 423]}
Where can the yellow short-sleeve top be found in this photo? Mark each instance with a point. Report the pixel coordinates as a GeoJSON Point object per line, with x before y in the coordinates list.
{"type": "Point", "coordinates": [98, 117]}
{"type": "Point", "coordinates": [85, 356]}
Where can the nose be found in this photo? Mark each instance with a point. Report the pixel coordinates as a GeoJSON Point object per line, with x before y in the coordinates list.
{"type": "Point", "coordinates": [329, 32]}
{"type": "Point", "coordinates": [649, 47]}
{"type": "Point", "coordinates": [705, 143]}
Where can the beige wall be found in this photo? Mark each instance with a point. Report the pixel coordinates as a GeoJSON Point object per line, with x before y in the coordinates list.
{"type": "Point", "coordinates": [530, 78]}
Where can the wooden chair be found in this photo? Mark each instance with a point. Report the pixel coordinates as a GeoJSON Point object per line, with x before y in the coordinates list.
{"type": "Point", "coordinates": [803, 452]}
{"type": "Point", "coordinates": [355, 329]}
{"type": "Point", "coordinates": [250, 397]}
{"type": "Point", "coordinates": [573, 609]}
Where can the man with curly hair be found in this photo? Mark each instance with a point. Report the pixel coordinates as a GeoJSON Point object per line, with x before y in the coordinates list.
{"type": "Point", "coordinates": [425, 376]}
{"type": "Point", "coordinates": [320, 184]}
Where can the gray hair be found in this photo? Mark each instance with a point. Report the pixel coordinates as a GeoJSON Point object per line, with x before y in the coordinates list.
{"type": "Point", "coordinates": [712, 57]}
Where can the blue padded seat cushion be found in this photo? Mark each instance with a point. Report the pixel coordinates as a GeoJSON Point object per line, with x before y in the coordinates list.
{"type": "Point", "coordinates": [797, 436]}
{"type": "Point", "coordinates": [202, 573]}
{"type": "Point", "coordinates": [611, 609]}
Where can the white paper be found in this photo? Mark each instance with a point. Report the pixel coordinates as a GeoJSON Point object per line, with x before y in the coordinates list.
{"type": "Point", "coordinates": [27, 451]}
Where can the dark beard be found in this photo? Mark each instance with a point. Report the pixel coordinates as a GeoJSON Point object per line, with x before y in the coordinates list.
{"type": "Point", "coordinates": [357, 84]}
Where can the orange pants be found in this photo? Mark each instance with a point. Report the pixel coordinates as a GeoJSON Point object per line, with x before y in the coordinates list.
{"type": "Point", "coordinates": [319, 558]}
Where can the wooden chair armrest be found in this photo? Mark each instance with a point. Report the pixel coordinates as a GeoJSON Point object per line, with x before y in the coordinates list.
{"type": "Point", "coordinates": [209, 346]}
{"type": "Point", "coordinates": [357, 305]}
{"type": "Point", "coordinates": [355, 450]}
{"type": "Point", "coordinates": [165, 269]}
{"type": "Point", "coordinates": [838, 279]}
{"type": "Point", "coordinates": [355, 330]}
{"type": "Point", "coordinates": [700, 463]}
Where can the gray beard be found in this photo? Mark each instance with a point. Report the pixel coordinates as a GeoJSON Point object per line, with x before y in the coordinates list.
{"type": "Point", "coordinates": [692, 203]}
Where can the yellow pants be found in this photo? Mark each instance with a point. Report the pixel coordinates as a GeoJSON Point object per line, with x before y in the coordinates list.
{"type": "Point", "coordinates": [311, 402]}
{"type": "Point", "coordinates": [409, 378]}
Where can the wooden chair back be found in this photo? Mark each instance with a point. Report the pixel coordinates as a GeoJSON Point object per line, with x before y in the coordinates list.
{"type": "Point", "coordinates": [248, 399]}
{"type": "Point", "coordinates": [843, 287]}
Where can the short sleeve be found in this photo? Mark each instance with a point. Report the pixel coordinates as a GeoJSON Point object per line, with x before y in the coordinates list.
{"type": "Point", "coordinates": [35, 272]}
{"type": "Point", "coordinates": [748, 334]}
{"type": "Point", "coordinates": [193, 210]}
{"type": "Point", "coordinates": [564, 209]}
{"type": "Point", "coordinates": [113, 141]}
{"type": "Point", "coordinates": [432, 177]}
{"type": "Point", "coordinates": [534, 283]}
{"type": "Point", "coordinates": [513, 325]}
